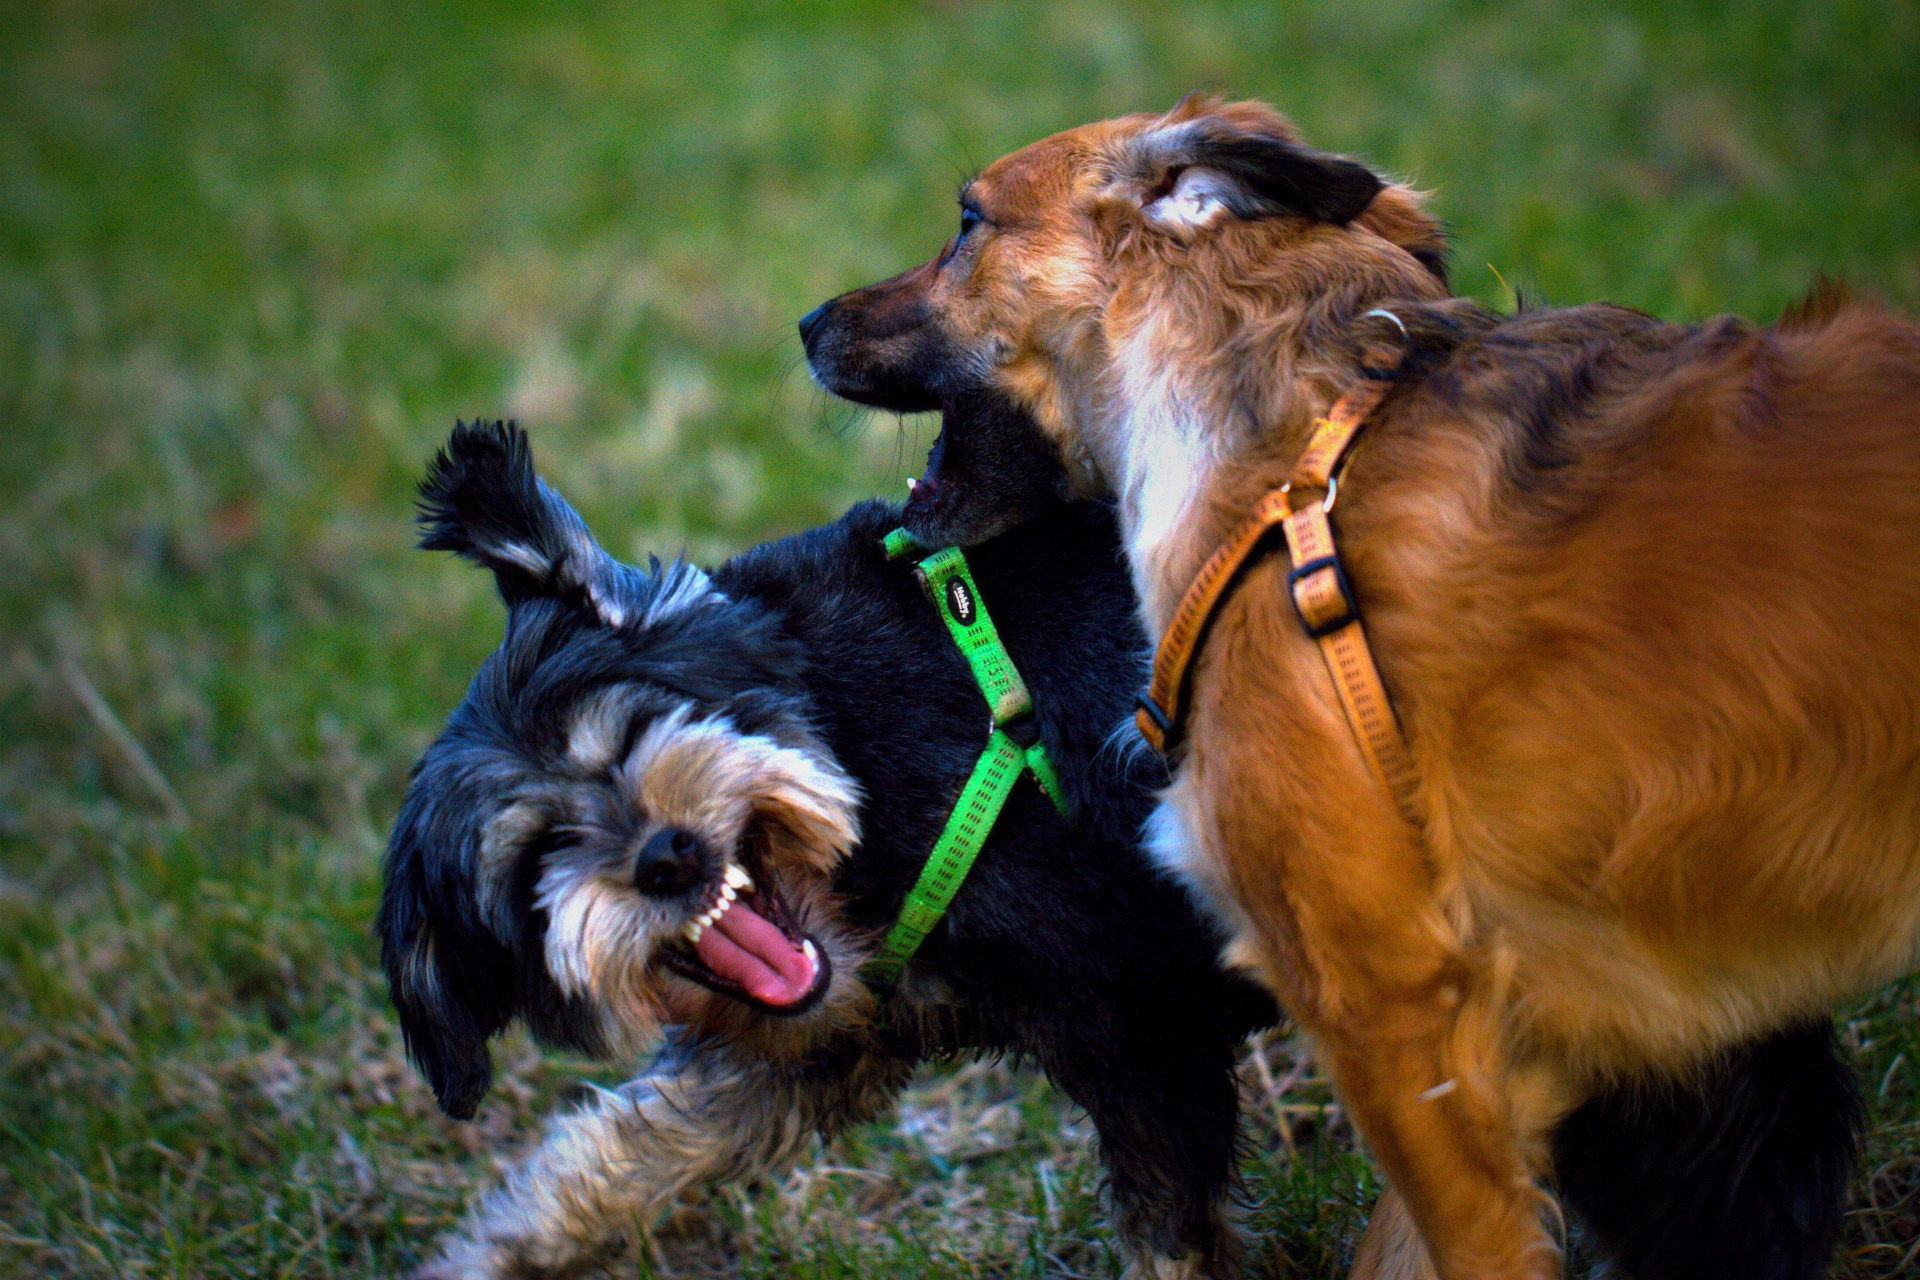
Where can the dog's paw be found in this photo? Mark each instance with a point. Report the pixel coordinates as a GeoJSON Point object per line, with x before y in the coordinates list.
{"type": "Point", "coordinates": [448, 1267]}
{"type": "Point", "coordinates": [462, 1259]}
{"type": "Point", "coordinates": [466, 1258]}
{"type": "Point", "coordinates": [1158, 1266]}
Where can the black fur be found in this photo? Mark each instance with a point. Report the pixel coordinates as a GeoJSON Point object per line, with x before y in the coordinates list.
{"type": "Point", "coordinates": [989, 477]}
{"type": "Point", "coordinates": [1064, 945]}
{"type": "Point", "coordinates": [457, 975]}
{"type": "Point", "coordinates": [1751, 1186]}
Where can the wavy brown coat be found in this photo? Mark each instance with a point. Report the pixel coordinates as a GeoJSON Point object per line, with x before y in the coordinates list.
{"type": "Point", "coordinates": [1646, 596]}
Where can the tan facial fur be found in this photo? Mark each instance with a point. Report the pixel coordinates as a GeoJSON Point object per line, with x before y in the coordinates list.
{"type": "Point", "coordinates": [788, 813]}
{"type": "Point", "coordinates": [1654, 654]}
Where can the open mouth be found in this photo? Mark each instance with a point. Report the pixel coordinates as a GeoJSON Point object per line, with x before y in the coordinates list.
{"type": "Point", "coordinates": [744, 944]}
{"type": "Point", "coordinates": [926, 493]}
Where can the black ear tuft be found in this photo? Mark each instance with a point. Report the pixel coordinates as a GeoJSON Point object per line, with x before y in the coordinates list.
{"type": "Point", "coordinates": [1284, 175]}
{"type": "Point", "coordinates": [449, 1044]}
{"type": "Point", "coordinates": [482, 499]}
{"type": "Point", "coordinates": [482, 478]}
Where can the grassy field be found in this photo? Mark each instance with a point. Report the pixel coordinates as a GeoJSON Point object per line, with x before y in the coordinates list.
{"type": "Point", "coordinates": [256, 257]}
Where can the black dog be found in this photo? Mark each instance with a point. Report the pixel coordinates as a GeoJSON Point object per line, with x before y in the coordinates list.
{"type": "Point", "coordinates": [641, 742]}
{"type": "Point", "coordinates": [669, 799]}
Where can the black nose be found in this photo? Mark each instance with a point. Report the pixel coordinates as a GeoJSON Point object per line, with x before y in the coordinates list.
{"type": "Point", "coordinates": [669, 863]}
{"type": "Point", "coordinates": [811, 321]}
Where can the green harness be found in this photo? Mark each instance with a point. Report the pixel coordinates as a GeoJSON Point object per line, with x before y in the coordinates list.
{"type": "Point", "coordinates": [949, 584]}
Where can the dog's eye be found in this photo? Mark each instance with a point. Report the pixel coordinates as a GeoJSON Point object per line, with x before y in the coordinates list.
{"type": "Point", "coordinates": [970, 218]}
{"type": "Point", "coordinates": [551, 841]}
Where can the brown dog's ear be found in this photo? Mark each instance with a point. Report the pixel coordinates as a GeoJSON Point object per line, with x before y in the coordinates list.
{"type": "Point", "coordinates": [1187, 172]}
{"type": "Point", "coordinates": [1399, 216]}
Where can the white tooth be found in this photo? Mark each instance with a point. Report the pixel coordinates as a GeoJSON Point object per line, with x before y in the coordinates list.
{"type": "Point", "coordinates": [728, 893]}
{"type": "Point", "coordinates": [723, 908]}
{"type": "Point", "coordinates": [807, 950]}
{"type": "Point", "coordinates": [737, 878]}
{"type": "Point", "coordinates": [710, 916]}
{"type": "Point", "coordinates": [692, 930]}
{"type": "Point", "coordinates": [912, 484]}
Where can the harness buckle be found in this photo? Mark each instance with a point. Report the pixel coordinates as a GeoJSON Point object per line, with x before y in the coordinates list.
{"type": "Point", "coordinates": [1313, 596]}
{"type": "Point", "coordinates": [1153, 723]}
{"type": "Point", "coordinates": [1326, 503]}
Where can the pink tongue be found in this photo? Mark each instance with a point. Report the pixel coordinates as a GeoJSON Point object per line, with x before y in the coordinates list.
{"type": "Point", "coordinates": [743, 947]}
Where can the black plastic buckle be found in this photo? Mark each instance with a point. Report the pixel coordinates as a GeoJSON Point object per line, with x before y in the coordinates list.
{"type": "Point", "coordinates": [1155, 714]}
{"type": "Point", "coordinates": [1352, 611]}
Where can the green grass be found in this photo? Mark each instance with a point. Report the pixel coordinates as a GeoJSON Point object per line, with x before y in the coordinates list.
{"type": "Point", "coordinates": [256, 257]}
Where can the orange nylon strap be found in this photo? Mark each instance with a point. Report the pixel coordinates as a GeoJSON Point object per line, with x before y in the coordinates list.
{"type": "Point", "coordinates": [1162, 713]}
{"type": "Point", "coordinates": [1334, 434]}
{"type": "Point", "coordinates": [1324, 601]}
{"type": "Point", "coordinates": [1321, 596]}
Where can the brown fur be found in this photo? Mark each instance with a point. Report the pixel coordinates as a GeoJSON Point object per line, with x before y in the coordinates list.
{"type": "Point", "coordinates": [1646, 597]}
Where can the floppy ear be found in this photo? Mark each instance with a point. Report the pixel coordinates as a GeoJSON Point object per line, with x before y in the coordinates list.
{"type": "Point", "coordinates": [1192, 170]}
{"type": "Point", "coordinates": [482, 499]}
{"type": "Point", "coordinates": [805, 806]}
{"type": "Point", "coordinates": [451, 993]}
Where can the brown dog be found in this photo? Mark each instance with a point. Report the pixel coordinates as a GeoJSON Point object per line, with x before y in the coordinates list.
{"type": "Point", "coordinates": [1647, 599]}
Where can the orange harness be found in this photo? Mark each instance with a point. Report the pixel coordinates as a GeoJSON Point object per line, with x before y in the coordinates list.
{"type": "Point", "coordinates": [1321, 595]}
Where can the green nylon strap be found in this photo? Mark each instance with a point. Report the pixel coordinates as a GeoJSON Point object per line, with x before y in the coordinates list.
{"type": "Point", "coordinates": [952, 857]}
{"type": "Point", "coordinates": [949, 584]}
{"type": "Point", "coordinates": [1040, 765]}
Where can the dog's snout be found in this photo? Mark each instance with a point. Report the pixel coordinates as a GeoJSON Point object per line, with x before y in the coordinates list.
{"type": "Point", "coordinates": [810, 322]}
{"type": "Point", "coordinates": [669, 863]}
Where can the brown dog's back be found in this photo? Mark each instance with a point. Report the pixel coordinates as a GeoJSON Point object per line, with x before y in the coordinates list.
{"type": "Point", "coordinates": [1661, 658]}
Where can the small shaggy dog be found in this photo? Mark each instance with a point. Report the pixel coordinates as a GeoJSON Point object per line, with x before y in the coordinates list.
{"type": "Point", "coordinates": [1645, 597]}
{"type": "Point", "coordinates": [806, 692]}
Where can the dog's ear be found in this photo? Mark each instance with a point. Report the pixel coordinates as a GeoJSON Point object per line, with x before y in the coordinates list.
{"type": "Point", "coordinates": [806, 807]}
{"type": "Point", "coordinates": [482, 499]}
{"type": "Point", "coordinates": [453, 991]}
{"type": "Point", "coordinates": [1199, 163]}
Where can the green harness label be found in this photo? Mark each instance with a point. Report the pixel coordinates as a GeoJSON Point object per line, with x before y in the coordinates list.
{"type": "Point", "coordinates": [959, 603]}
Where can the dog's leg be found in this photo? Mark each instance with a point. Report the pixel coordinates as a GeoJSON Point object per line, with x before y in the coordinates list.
{"type": "Point", "coordinates": [1343, 918]}
{"type": "Point", "coordinates": [1392, 1248]}
{"type": "Point", "coordinates": [1409, 1029]}
{"type": "Point", "coordinates": [1406, 1025]}
{"type": "Point", "coordinates": [1741, 1175]}
{"type": "Point", "coordinates": [614, 1164]}
{"type": "Point", "coordinates": [1162, 1094]}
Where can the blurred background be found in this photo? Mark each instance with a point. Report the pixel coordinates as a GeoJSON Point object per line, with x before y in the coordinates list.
{"type": "Point", "coordinates": [256, 258]}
